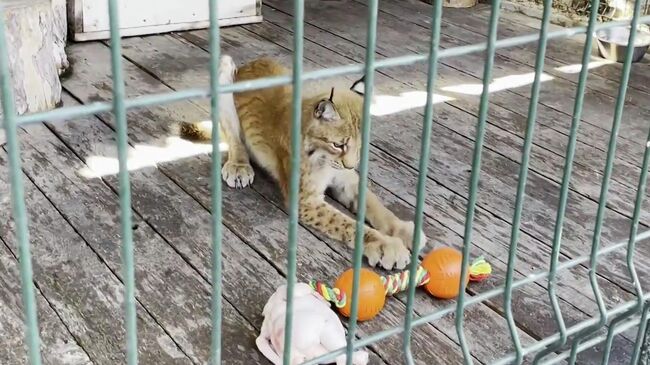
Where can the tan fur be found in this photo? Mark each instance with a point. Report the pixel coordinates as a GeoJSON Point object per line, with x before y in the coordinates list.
{"type": "Point", "coordinates": [331, 143]}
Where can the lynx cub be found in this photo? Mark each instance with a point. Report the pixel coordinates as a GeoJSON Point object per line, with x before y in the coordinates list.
{"type": "Point", "coordinates": [258, 122]}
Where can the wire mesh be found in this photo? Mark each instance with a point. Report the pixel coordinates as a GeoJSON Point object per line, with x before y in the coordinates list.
{"type": "Point", "coordinates": [633, 313]}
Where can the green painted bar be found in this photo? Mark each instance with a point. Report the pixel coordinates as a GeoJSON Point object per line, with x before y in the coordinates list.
{"type": "Point", "coordinates": [594, 341]}
{"type": "Point", "coordinates": [642, 339]}
{"type": "Point", "coordinates": [369, 83]}
{"type": "Point", "coordinates": [625, 316]}
{"type": "Point", "coordinates": [634, 277]}
{"type": "Point", "coordinates": [119, 109]}
{"type": "Point", "coordinates": [72, 112]}
{"type": "Point", "coordinates": [376, 337]}
{"type": "Point", "coordinates": [523, 178]}
{"type": "Point", "coordinates": [215, 53]}
{"type": "Point", "coordinates": [602, 205]}
{"type": "Point", "coordinates": [425, 150]}
{"type": "Point", "coordinates": [294, 182]}
{"type": "Point", "coordinates": [475, 174]}
{"type": "Point", "coordinates": [566, 181]}
{"type": "Point", "coordinates": [19, 212]}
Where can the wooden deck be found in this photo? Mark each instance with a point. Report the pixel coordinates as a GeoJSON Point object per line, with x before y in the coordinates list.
{"type": "Point", "coordinates": [69, 171]}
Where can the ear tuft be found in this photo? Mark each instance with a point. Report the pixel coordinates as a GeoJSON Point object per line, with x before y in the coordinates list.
{"type": "Point", "coordinates": [326, 111]}
{"type": "Point", "coordinates": [359, 86]}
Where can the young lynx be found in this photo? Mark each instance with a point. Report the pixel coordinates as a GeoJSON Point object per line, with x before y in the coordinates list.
{"type": "Point", "coordinates": [258, 122]}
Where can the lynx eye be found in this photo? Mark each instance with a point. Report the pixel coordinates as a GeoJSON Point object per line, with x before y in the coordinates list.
{"type": "Point", "coordinates": [338, 146]}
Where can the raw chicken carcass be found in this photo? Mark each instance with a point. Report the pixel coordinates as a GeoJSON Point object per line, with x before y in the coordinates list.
{"type": "Point", "coordinates": [316, 328]}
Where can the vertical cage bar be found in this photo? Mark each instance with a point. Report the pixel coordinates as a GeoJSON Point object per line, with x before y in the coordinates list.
{"type": "Point", "coordinates": [474, 177]}
{"type": "Point", "coordinates": [631, 246]}
{"type": "Point", "coordinates": [566, 180]}
{"type": "Point", "coordinates": [18, 203]}
{"type": "Point", "coordinates": [215, 52]}
{"type": "Point", "coordinates": [124, 185]}
{"type": "Point", "coordinates": [294, 181]}
{"type": "Point", "coordinates": [369, 85]}
{"type": "Point", "coordinates": [425, 150]}
{"type": "Point", "coordinates": [523, 177]}
{"type": "Point", "coordinates": [602, 204]}
{"type": "Point", "coordinates": [642, 339]}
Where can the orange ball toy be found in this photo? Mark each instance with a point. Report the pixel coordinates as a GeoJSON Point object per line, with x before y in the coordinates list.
{"type": "Point", "coordinates": [371, 293]}
{"type": "Point", "coordinates": [444, 267]}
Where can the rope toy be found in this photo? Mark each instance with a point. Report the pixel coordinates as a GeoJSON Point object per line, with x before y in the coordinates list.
{"type": "Point", "coordinates": [439, 274]}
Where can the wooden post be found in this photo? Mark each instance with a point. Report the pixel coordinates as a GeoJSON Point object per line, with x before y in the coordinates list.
{"type": "Point", "coordinates": [60, 32]}
{"type": "Point", "coordinates": [33, 59]}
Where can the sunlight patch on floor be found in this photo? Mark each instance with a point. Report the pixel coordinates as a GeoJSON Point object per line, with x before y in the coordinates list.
{"type": "Point", "coordinates": [391, 104]}
{"type": "Point", "coordinates": [146, 155]}
{"type": "Point", "coordinates": [498, 84]}
{"type": "Point", "coordinates": [577, 67]}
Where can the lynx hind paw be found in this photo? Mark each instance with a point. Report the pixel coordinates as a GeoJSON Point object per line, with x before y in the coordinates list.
{"type": "Point", "coordinates": [237, 175]}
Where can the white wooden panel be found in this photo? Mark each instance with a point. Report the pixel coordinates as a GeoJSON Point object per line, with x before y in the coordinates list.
{"type": "Point", "coordinates": [150, 13]}
{"type": "Point", "coordinates": [127, 32]}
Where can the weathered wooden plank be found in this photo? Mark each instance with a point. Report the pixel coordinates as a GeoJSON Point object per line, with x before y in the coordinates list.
{"type": "Point", "coordinates": [569, 47]}
{"type": "Point", "coordinates": [565, 51]}
{"type": "Point", "coordinates": [473, 29]}
{"type": "Point", "coordinates": [462, 73]}
{"type": "Point", "coordinates": [167, 286]}
{"type": "Point", "coordinates": [59, 347]}
{"type": "Point", "coordinates": [451, 167]}
{"type": "Point", "coordinates": [85, 294]}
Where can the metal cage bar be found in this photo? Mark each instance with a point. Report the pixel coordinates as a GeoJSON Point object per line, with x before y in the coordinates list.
{"type": "Point", "coordinates": [369, 81]}
{"type": "Point", "coordinates": [523, 177]}
{"type": "Point", "coordinates": [215, 62]}
{"type": "Point", "coordinates": [602, 204]}
{"type": "Point", "coordinates": [72, 112]}
{"type": "Point", "coordinates": [474, 176]}
{"type": "Point", "coordinates": [634, 276]}
{"type": "Point", "coordinates": [564, 190]}
{"type": "Point", "coordinates": [425, 150]}
{"type": "Point", "coordinates": [19, 211]}
{"type": "Point", "coordinates": [625, 316]}
{"type": "Point", "coordinates": [119, 110]}
{"type": "Point", "coordinates": [294, 180]}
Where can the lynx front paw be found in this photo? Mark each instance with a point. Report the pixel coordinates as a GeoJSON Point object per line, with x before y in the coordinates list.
{"type": "Point", "coordinates": [405, 231]}
{"type": "Point", "coordinates": [388, 251]}
{"type": "Point", "coordinates": [237, 175]}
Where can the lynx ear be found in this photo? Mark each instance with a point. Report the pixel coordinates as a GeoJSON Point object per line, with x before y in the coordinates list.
{"type": "Point", "coordinates": [359, 86]}
{"type": "Point", "coordinates": [326, 111]}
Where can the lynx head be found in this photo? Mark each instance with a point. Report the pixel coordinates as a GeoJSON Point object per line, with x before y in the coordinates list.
{"type": "Point", "coordinates": [331, 133]}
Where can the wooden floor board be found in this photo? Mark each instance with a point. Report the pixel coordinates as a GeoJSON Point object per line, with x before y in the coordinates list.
{"type": "Point", "coordinates": [565, 49]}
{"type": "Point", "coordinates": [86, 295]}
{"type": "Point", "coordinates": [59, 345]}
